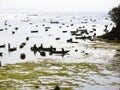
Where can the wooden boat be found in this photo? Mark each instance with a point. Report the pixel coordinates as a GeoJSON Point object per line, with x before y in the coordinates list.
{"type": "Point", "coordinates": [2, 46]}
{"type": "Point", "coordinates": [59, 52]}
{"type": "Point", "coordinates": [11, 49]}
{"type": "Point", "coordinates": [41, 48]}
{"type": "Point", "coordinates": [84, 37]}
{"type": "Point", "coordinates": [58, 38]}
{"type": "Point", "coordinates": [54, 22]}
{"type": "Point", "coordinates": [1, 29]}
{"type": "Point", "coordinates": [73, 32]}
{"type": "Point", "coordinates": [64, 31]}
{"type": "Point", "coordinates": [36, 31]}
{"type": "Point", "coordinates": [50, 49]}
{"type": "Point", "coordinates": [34, 48]}
{"type": "Point", "coordinates": [47, 27]}
{"type": "Point", "coordinates": [46, 49]}
{"type": "Point", "coordinates": [1, 54]}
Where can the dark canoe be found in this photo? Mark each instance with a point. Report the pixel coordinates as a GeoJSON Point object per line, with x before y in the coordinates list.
{"type": "Point", "coordinates": [1, 29]}
{"type": "Point", "coordinates": [59, 52]}
{"type": "Point", "coordinates": [36, 31]}
{"type": "Point", "coordinates": [34, 49]}
{"type": "Point", "coordinates": [1, 53]}
{"type": "Point", "coordinates": [42, 49]}
{"type": "Point", "coordinates": [46, 49]}
{"type": "Point", "coordinates": [2, 46]}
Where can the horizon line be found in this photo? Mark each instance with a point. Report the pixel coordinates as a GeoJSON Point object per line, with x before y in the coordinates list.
{"type": "Point", "coordinates": [37, 10]}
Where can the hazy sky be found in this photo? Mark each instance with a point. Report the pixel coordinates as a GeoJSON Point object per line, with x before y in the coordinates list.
{"type": "Point", "coordinates": [60, 5]}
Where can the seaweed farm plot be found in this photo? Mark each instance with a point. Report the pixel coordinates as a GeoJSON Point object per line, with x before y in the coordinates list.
{"type": "Point", "coordinates": [38, 52]}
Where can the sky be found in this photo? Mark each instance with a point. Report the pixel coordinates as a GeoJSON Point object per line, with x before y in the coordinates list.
{"type": "Point", "coordinates": [60, 5]}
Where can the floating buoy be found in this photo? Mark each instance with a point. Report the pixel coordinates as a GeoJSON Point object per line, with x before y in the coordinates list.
{"type": "Point", "coordinates": [27, 38]}
{"type": "Point", "coordinates": [16, 28]}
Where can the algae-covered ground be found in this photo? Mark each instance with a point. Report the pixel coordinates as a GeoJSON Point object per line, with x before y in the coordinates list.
{"type": "Point", "coordinates": [97, 68]}
{"type": "Point", "coordinates": [44, 74]}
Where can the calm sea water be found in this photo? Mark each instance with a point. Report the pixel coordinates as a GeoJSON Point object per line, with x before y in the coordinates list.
{"type": "Point", "coordinates": [32, 21]}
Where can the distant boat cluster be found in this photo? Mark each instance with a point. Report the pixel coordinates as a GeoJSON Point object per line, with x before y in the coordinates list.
{"type": "Point", "coordinates": [59, 29]}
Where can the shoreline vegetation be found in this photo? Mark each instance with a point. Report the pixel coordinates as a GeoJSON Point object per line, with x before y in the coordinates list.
{"type": "Point", "coordinates": [114, 34]}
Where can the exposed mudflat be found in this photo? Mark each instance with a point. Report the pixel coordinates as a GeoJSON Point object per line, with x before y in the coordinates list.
{"type": "Point", "coordinates": [76, 74]}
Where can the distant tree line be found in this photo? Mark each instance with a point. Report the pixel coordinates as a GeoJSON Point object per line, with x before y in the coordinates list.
{"type": "Point", "coordinates": [115, 15]}
{"type": "Point", "coordinates": [114, 34]}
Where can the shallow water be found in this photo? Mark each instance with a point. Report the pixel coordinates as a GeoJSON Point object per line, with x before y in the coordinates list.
{"type": "Point", "coordinates": [100, 54]}
{"type": "Point", "coordinates": [26, 24]}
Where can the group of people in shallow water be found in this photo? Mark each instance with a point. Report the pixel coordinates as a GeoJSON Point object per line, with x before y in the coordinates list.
{"type": "Point", "coordinates": [51, 50]}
